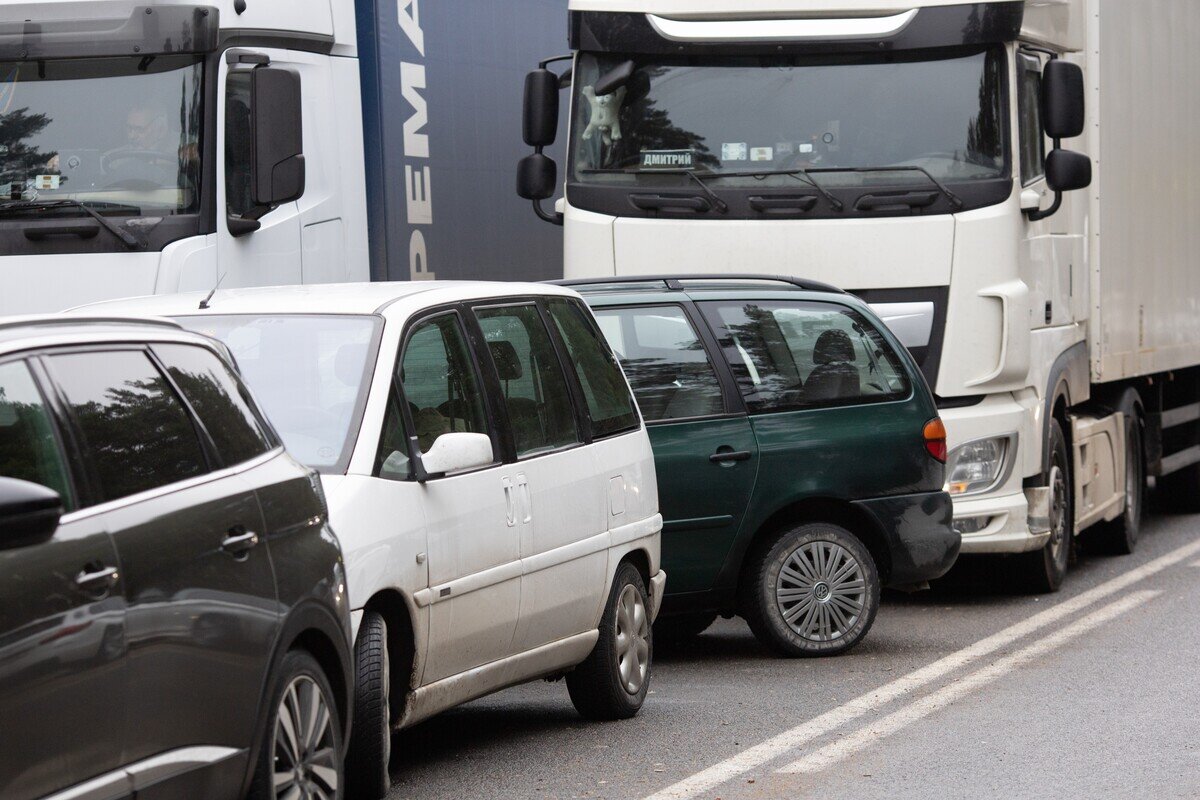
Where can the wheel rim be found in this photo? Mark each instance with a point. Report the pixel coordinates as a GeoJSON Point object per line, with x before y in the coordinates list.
{"type": "Point", "coordinates": [304, 744]}
{"type": "Point", "coordinates": [1058, 513]}
{"type": "Point", "coordinates": [821, 591]}
{"type": "Point", "coordinates": [633, 639]}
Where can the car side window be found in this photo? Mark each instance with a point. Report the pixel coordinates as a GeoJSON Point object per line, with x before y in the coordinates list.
{"type": "Point", "coordinates": [667, 365]}
{"type": "Point", "coordinates": [219, 399]}
{"type": "Point", "coordinates": [806, 354]}
{"type": "Point", "coordinates": [534, 386]}
{"type": "Point", "coordinates": [1029, 108]}
{"type": "Point", "coordinates": [391, 457]}
{"type": "Point", "coordinates": [604, 389]}
{"type": "Point", "coordinates": [440, 383]}
{"type": "Point", "coordinates": [29, 449]}
{"type": "Point", "coordinates": [135, 429]}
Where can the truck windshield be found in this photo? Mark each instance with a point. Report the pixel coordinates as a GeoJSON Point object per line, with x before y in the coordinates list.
{"type": "Point", "coordinates": [940, 111]}
{"type": "Point", "coordinates": [122, 133]}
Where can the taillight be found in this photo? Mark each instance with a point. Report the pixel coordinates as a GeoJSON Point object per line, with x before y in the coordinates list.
{"type": "Point", "coordinates": [935, 439]}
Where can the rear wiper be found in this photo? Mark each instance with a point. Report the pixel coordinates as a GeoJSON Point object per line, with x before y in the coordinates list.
{"type": "Point", "coordinates": [716, 200]}
{"type": "Point", "coordinates": [954, 199]}
{"type": "Point", "coordinates": [125, 236]}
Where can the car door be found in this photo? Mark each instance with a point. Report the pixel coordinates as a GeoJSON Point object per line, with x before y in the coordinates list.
{"type": "Point", "coordinates": [705, 453]}
{"type": "Point", "coordinates": [562, 496]}
{"type": "Point", "coordinates": [198, 581]}
{"type": "Point", "coordinates": [63, 677]}
{"type": "Point", "coordinates": [474, 589]}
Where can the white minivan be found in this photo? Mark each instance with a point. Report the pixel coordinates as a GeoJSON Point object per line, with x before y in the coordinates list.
{"type": "Point", "coordinates": [487, 472]}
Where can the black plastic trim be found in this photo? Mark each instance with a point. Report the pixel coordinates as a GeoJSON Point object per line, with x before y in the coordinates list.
{"type": "Point", "coordinates": [280, 40]}
{"type": "Point", "coordinates": [928, 358]}
{"type": "Point", "coordinates": [149, 30]}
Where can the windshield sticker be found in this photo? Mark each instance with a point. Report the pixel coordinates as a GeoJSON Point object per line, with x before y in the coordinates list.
{"type": "Point", "coordinates": [46, 182]}
{"type": "Point", "coordinates": [806, 148]}
{"type": "Point", "coordinates": [668, 159]}
{"type": "Point", "coordinates": [733, 151]}
{"type": "Point", "coordinates": [784, 148]}
{"type": "Point", "coordinates": [761, 154]}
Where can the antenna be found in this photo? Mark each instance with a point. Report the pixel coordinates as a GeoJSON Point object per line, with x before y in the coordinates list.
{"type": "Point", "coordinates": [209, 296]}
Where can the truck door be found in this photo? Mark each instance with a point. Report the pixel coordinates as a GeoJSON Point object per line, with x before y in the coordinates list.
{"type": "Point", "coordinates": [705, 454]}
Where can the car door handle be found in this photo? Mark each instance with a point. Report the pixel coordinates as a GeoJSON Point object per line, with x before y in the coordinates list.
{"type": "Point", "coordinates": [727, 456]}
{"type": "Point", "coordinates": [99, 580]}
{"type": "Point", "coordinates": [239, 542]}
{"type": "Point", "coordinates": [526, 501]}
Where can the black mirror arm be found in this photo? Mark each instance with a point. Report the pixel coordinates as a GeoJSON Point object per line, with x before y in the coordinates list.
{"type": "Point", "coordinates": [554, 218]}
{"type": "Point", "coordinates": [1033, 215]}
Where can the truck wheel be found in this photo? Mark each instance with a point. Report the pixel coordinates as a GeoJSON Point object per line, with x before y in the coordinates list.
{"type": "Point", "coordinates": [682, 628]}
{"type": "Point", "coordinates": [813, 592]}
{"type": "Point", "coordinates": [1045, 569]}
{"type": "Point", "coordinates": [301, 755]}
{"type": "Point", "coordinates": [371, 736]}
{"type": "Point", "coordinates": [612, 682]}
{"type": "Point", "coordinates": [1120, 536]}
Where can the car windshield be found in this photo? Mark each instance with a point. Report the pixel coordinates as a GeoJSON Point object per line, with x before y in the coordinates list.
{"type": "Point", "coordinates": [758, 114]}
{"type": "Point", "coordinates": [308, 372]}
{"type": "Point", "coordinates": [122, 133]}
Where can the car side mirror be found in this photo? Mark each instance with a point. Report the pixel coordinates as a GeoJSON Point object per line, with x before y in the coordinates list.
{"type": "Point", "coordinates": [1067, 171]}
{"type": "Point", "coordinates": [1062, 99]}
{"type": "Point", "coordinates": [277, 125]}
{"type": "Point", "coordinates": [29, 513]}
{"type": "Point", "coordinates": [539, 123]}
{"type": "Point", "coordinates": [455, 452]}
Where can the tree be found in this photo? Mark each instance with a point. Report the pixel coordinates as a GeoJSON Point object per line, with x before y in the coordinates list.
{"type": "Point", "coordinates": [18, 160]}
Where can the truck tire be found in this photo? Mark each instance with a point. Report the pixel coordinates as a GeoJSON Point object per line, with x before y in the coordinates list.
{"type": "Point", "coordinates": [1119, 537]}
{"type": "Point", "coordinates": [1043, 570]}
{"type": "Point", "coordinates": [682, 628]}
{"type": "Point", "coordinates": [301, 691]}
{"type": "Point", "coordinates": [371, 737]}
{"type": "Point", "coordinates": [612, 682]}
{"type": "Point", "coordinates": [814, 591]}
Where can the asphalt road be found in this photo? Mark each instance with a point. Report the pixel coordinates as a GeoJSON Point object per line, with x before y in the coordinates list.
{"type": "Point", "coordinates": [969, 690]}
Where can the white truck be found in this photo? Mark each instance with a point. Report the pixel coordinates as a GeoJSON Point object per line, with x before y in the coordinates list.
{"type": "Point", "coordinates": [157, 146]}
{"type": "Point", "coordinates": [1012, 184]}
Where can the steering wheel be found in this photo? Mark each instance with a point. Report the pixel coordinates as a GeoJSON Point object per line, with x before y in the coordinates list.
{"type": "Point", "coordinates": [150, 157]}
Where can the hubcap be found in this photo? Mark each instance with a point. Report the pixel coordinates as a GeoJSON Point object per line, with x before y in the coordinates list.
{"type": "Point", "coordinates": [820, 591]}
{"type": "Point", "coordinates": [1058, 512]}
{"type": "Point", "coordinates": [304, 747]}
{"type": "Point", "coordinates": [633, 639]}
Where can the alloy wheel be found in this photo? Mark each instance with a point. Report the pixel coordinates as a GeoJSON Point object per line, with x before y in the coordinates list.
{"type": "Point", "coordinates": [305, 765]}
{"type": "Point", "coordinates": [633, 639]}
{"type": "Point", "coordinates": [821, 591]}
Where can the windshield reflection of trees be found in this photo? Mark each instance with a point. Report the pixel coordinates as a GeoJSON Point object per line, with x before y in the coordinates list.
{"type": "Point", "coordinates": [18, 159]}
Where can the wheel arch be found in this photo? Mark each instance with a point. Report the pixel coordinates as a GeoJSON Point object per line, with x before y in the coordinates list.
{"type": "Point", "coordinates": [401, 642]}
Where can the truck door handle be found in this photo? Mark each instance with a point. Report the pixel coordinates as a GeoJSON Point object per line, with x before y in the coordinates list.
{"type": "Point", "coordinates": [239, 542]}
{"type": "Point", "coordinates": [98, 581]}
{"type": "Point", "coordinates": [729, 456]}
{"type": "Point", "coordinates": [651, 202]}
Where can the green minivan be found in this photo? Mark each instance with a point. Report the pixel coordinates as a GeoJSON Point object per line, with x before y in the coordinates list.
{"type": "Point", "coordinates": [799, 453]}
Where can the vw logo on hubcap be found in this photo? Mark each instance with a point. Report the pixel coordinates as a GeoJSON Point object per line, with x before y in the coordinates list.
{"type": "Point", "coordinates": [821, 591]}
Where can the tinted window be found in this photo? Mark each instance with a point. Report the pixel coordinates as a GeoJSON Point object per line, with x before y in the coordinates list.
{"type": "Point", "coordinates": [666, 364]}
{"type": "Point", "coordinates": [391, 459]}
{"type": "Point", "coordinates": [28, 448]}
{"type": "Point", "coordinates": [1029, 104]}
{"type": "Point", "coordinates": [531, 377]}
{"type": "Point", "coordinates": [134, 428]}
{"type": "Point", "coordinates": [309, 373]}
{"type": "Point", "coordinates": [789, 355]}
{"type": "Point", "coordinates": [440, 382]}
{"type": "Point", "coordinates": [219, 399]}
{"type": "Point", "coordinates": [604, 388]}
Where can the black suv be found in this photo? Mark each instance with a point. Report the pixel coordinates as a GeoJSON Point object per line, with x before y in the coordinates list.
{"type": "Point", "coordinates": [173, 616]}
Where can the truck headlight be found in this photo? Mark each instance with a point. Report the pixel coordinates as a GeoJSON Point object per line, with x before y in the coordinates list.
{"type": "Point", "coordinates": [978, 466]}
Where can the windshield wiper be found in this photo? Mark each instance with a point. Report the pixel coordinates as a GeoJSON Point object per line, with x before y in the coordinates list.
{"type": "Point", "coordinates": [716, 200]}
{"type": "Point", "coordinates": [799, 174]}
{"type": "Point", "coordinates": [130, 241]}
{"type": "Point", "coordinates": [954, 199]}
{"type": "Point", "coordinates": [720, 204]}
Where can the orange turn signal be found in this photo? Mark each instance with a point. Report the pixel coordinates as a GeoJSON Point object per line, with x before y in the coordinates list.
{"type": "Point", "coordinates": [935, 439]}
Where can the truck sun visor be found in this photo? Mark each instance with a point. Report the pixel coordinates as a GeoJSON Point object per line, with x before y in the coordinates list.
{"type": "Point", "coordinates": [63, 30]}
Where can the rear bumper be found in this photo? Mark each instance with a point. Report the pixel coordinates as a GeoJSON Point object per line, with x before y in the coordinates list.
{"type": "Point", "coordinates": [916, 527]}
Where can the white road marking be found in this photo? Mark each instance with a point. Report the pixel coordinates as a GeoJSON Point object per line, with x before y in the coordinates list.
{"type": "Point", "coordinates": [1196, 564]}
{"type": "Point", "coordinates": [919, 709]}
{"type": "Point", "coordinates": [801, 735]}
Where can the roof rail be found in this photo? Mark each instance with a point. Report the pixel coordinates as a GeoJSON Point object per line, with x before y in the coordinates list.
{"type": "Point", "coordinates": [47, 320]}
{"type": "Point", "coordinates": [675, 282]}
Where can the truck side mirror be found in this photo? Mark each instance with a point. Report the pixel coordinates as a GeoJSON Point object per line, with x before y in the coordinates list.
{"type": "Point", "coordinates": [536, 175]}
{"type": "Point", "coordinates": [539, 124]}
{"type": "Point", "coordinates": [278, 132]}
{"type": "Point", "coordinates": [1062, 99]}
{"type": "Point", "coordinates": [1067, 171]}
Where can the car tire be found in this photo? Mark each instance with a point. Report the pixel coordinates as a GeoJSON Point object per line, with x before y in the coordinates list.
{"type": "Point", "coordinates": [814, 591]}
{"type": "Point", "coordinates": [682, 628]}
{"type": "Point", "coordinates": [612, 682]}
{"type": "Point", "coordinates": [1043, 570]}
{"type": "Point", "coordinates": [371, 737]}
{"type": "Point", "coordinates": [1119, 537]}
{"type": "Point", "coordinates": [299, 684]}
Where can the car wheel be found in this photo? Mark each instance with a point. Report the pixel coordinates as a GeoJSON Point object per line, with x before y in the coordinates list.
{"type": "Point", "coordinates": [371, 737]}
{"type": "Point", "coordinates": [1045, 569]}
{"type": "Point", "coordinates": [301, 754]}
{"type": "Point", "coordinates": [612, 682]}
{"type": "Point", "coordinates": [1119, 537]}
{"type": "Point", "coordinates": [813, 592]}
{"type": "Point", "coordinates": [682, 628]}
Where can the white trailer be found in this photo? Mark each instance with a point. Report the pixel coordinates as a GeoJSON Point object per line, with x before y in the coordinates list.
{"type": "Point", "coordinates": [910, 151]}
